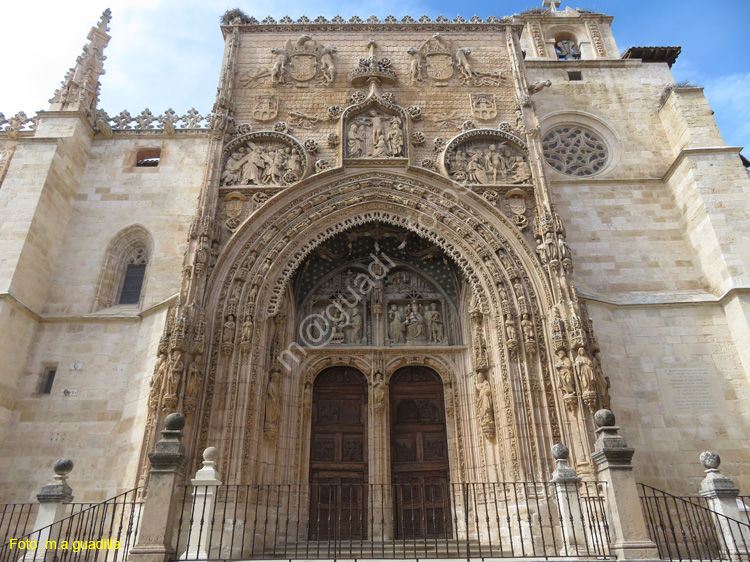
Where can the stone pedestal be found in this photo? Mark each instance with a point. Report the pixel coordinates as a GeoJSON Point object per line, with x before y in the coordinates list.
{"type": "Point", "coordinates": [719, 490]}
{"type": "Point", "coordinates": [204, 495]}
{"type": "Point", "coordinates": [168, 463]}
{"type": "Point", "coordinates": [52, 500]}
{"type": "Point", "coordinates": [569, 503]}
{"type": "Point", "coordinates": [630, 540]}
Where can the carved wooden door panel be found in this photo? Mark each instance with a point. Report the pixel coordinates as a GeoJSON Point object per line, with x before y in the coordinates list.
{"type": "Point", "coordinates": [338, 456]}
{"type": "Point", "coordinates": [419, 454]}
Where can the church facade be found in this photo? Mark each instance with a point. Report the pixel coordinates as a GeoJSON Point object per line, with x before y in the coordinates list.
{"type": "Point", "coordinates": [395, 252]}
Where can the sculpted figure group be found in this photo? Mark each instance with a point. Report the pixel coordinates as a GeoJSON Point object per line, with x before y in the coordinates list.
{"type": "Point", "coordinates": [488, 164]}
{"type": "Point", "coordinates": [413, 323]}
{"type": "Point", "coordinates": [374, 135]}
{"type": "Point", "coordinates": [263, 165]}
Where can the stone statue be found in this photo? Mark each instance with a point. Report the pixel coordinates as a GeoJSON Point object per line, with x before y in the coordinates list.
{"type": "Point", "coordinates": [327, 68]}
{"type": "Point", "coordinates": [175, 373]}
{"type": "Point", "coordinates": [538, 87]}
{"type": "Point", "coordinates": [435, 324]}
{"type": "Point", "coordinates": [354, 142]}
{"type": "Point", "coordinates": [229, 330]}
{"type": "Point", "coordinates": [157, 380]}
{"type": "Point", "coordinates": [353, 330]}
{"type": "Point", "coordinates": [541, 251]}
{"type": "Point", "coordinates": [527, 327]}
{"type": "Point", "coordinates": [395, 138]}
{"type": "Point", "coordinates": [602, 382]}
{"type": "Point", "coordinates": [564, 368]}
{"type": "Point", "coordinates": [415, 321]}
{"type": "Point", "coordinates": [463, 64]}
{"type": "Point", "coordinates": [279, 66]}
{"type": "Point", "coordinates": [378, 392]}
{"type": "Point", "coordinates": [396, 325]}
{"type": "Point", "coordinates": [307, 397]}
{"type": "Point", "coordinates": [415, 66]}
{"type": "Point", "coordinates": [273, 403]}
{"type": "Point", "coordinates": [247, 329]}
{"type": "Point", "coordinates": [584, 369]}
{"type": "Point", "coordinates": [485, 410]}
{"type": "Point", "coordinates": [193, 385]}
{"type": "Point", "coordinates": [510, 329]}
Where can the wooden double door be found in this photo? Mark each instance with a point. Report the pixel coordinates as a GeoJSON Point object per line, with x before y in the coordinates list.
{"type": "Point", "coordinates": [338, 456]}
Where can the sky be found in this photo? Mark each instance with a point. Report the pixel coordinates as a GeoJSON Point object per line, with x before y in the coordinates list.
{"type": "Point", "coordinates": [167, 53]}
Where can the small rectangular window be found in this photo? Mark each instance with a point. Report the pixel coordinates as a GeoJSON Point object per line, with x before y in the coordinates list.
{"type": "Point", "coordinates": [132, 285]}
{"type": "Point", "coordinates": [575, 75]}
{"type": "Point", "coordinates": [148, 157]}
{"type": "Point", "coordinates": [47, 380]}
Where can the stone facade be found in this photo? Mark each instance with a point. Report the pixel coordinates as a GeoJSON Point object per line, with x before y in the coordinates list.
{"type": "Point", "coordinates": [553, 235]}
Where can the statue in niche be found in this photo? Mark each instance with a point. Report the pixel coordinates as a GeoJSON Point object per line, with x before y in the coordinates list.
{"type": "Point", "coordinates": [564, 368]}
{"type": "Point", "coordinates": [487, 162]}
{"type": "Point", "coordinates": [435, 324]}
{"type": "Point", "coordinates": [229, 330]}
{"type": "Point", "coordinates": [484, 400]}
{"type": "Point", "coordinates": [510, 328]}
{"type": "Point", "coordinates": [247, 329]}
{"type": "Point", "coordinates": [378, 392]}
{"type": "Point", "coordinates": [193, 385]}
{"type": "Point", "coordinates": [158, 380]}
{"type": "Point", "coordinates": [584, 368]}
{"type": "Point", "coordinates": [307, 397]}
{"type": "Point", "coordinates": [396, 325]}
{"type": "Point", "coordinates": [550, 246]}
{"type": "Point", "coordinates": [353, 329]}
{"type": "Point", "coordinates": [175, 374]}
{"type": "Point", "coordinates": [527, 327]}
{"type": "Point", "coordinates": [273, 404]}
{"type": "Point", "coordinates": [414, 322]}
{"type": "Point", "coordinates": [602, 382]}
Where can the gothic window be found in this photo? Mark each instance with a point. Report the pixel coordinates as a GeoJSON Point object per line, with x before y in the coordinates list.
{"type": "Point", "coordinates": [124, 273]}
{"type": "Point", "coordinates": [574, 150]}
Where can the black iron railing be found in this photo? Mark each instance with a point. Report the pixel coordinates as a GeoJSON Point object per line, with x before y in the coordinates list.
{"type": "Point", "coordinates": [112, 525]}
{"type": "Point", "coordinates": [685, 528]}
{"type": "Point", "coordinates": [330, 521]}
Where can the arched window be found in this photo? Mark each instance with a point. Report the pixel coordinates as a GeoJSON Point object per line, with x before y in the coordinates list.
{"type": "Point", "coordinates": [567, 47]}
{"type": "Point", "coordinates": [123, 277]}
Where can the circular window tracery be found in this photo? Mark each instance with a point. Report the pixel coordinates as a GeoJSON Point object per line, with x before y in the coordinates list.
{"type": "Point", "coordinates": [575, 150]}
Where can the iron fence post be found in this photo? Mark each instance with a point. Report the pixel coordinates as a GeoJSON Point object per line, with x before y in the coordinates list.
{"type": "Point", "coordinates": [168, 462]}
{"type": "Point", "coordinates": [613, 456]}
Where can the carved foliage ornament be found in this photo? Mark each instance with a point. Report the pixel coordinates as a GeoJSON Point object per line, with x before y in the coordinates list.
{"type": "Point", "coordinates": [264, 158]}
{"type": "Point", "coordinates": [574, 150]}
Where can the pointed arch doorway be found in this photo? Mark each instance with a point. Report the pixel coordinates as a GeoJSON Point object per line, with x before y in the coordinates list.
{"type": "Point", "coordinates": [338, 456]}
{"type": "Point", "coordinates": [419, 454]}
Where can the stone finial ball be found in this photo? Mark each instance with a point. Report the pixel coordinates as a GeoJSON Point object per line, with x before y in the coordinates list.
{"type": "Point", "coordinates": [63, 466]}
{"type": "Point", "coordinates": [710, 459]}
{"type": "Point", "coordinates": [210, 454]}
{"type": "Point", "coordinates": [174, 422]}
{"type": "Point", "coordinates": [560, 452]}
{"type": "Point", "coordinates": [604, 418]}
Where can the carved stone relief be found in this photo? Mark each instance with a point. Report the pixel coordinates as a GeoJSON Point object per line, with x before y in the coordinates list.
{"type": "Point", "coordinates": [441, 58]}
{"type": "Point", "coordinates": [266, 107]}
{"type": "Point", "coordinates": [575, 150]}
{"type": "Point", "coordinates": [483, 106]}
{"type": "Point", "coordinates": [374, 134]}
{"type": "Point", "coordinates": [481, 157]}
{"type": "Point", "coordinates": [264, 159]}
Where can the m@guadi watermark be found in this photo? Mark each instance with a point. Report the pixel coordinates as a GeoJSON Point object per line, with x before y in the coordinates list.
{"type": "Point", "coordinates": [75, 546]}
{"type": "Point", "coordinates": [317, 330]}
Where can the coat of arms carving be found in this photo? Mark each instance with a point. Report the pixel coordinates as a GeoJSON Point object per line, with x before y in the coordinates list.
{"type": "Point", "coordinates": [483, 106]}
{"type": "Point", "coordinates": [266, 107]}
{"type": "Point", "coordinates": [438, 53]}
